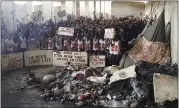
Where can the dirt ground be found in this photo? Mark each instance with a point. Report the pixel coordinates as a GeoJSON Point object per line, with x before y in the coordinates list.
{"type": "Point", "coordinates": [10, 80]}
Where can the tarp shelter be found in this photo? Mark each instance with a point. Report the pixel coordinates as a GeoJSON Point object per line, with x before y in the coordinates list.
{"type": "Point", "coordinates": [152, 32]}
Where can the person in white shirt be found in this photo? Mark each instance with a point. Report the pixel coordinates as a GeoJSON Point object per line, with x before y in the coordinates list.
{"type": "Point", "coordinates": [10, 45]}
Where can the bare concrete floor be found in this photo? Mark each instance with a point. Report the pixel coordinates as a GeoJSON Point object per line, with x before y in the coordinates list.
{"type": "Point", "coordinates": [27, 98]}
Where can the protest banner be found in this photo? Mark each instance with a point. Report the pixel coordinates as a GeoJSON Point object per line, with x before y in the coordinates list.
{"type": "Point", "coordinates": [67, 31]}
{"type": "Point", "coordinates": [65, 58]}
{"type": "Point", "coordinates": [109, 33]}
{"type": "Point", "coordinates": [97, 61]}
{"type": "Point", "coordinates": [12, 61]}
{"type": "Point", "coordinates": [38, 57]}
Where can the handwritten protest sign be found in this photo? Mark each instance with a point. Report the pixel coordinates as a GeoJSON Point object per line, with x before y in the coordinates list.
{"type": "Point", "coordinates": [12, 61]}
{"type": "Point", "coordinates": [38, 57]}
{"type": "Point", "coordinates": [109, 33]}
{"type": "Point", "coordinates": [64, 58]}
{"type": "Point", "coordinates": [67, 31]}
{"type": "Point", "coordinates": [97, 61]}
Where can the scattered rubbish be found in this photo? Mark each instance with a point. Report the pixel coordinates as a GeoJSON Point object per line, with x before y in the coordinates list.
{"type": "Point", "coordinates": [49, 78]}
{"type": "Point", "coordinates": [97, 79]}
{"type": "Point", "coordinates": [108, 87]}
{"type": "Point", "coordinates": [146, 70]}
{"type": "Point", "coordinates": [111, 69]}
{"type": "Point", "coordinates": [21, 89]}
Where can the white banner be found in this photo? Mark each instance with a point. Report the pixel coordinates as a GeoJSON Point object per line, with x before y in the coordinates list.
{"type": "Point", "coordinates": [109, 33]}
{"type": "Point", "coordinates": [12, 61]}
{"type": "Point", "coordinates": [67, 31]}
{"type": "Point", "coordinates": [64, 58]}
{"type": "Point", "coordinates": [38, 57]}
{"type": "Point", "coordinates": [97, 61]}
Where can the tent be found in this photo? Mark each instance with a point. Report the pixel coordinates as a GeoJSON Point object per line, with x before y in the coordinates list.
{"type": "Point", "coordinates": [152, 32]}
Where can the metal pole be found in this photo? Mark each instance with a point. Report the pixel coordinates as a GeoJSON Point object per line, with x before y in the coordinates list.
{"type": "Point", "coordinates": [13, 12]}
{"type": "Point", "coordinates": [104, 10]}
{"type": "Point", "coordinates": [94, 9]}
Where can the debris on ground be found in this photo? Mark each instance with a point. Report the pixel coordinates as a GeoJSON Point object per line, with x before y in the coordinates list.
{"type": "Point", "coordinates": [17, 90]}
{"type": "Point", "coordinates": [108, 87]}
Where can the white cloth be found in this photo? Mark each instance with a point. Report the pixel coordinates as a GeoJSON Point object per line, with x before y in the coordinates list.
{"type": "Point", "coordinates": [97, 79]}
{"type": "Point", "coordinates": [123, 74]}
{"type": "Point", "coordinates": [95, 44]}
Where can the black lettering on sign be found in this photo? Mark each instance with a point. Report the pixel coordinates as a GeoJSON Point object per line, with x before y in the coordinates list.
{"type": "Point", "coordinates": [35, 61]}
{"type": "Point", "coordinates": [59, 52]}
{"type": "Point", "coordinates": [11, 59]}
{"type": "Point", "coordinates": [78, 57]}
{"type": "Point", "coordinates": [76, 60]}
{"type": "Point", "coordinates": [72, 60]}
{"type": "Point", "coordinates": [67, 52]}
{"type": "Point", "coordinates": [65, 59]}
{"type": "Point", "coordinates": [57, 55]}
{"type": "Point", "coordinates": [37, 57]}
{"type": "Point", "coordinates": [31, 57]}
{"type": "Point", "coordinates": [59, 58]}
{"type": "Point", "coordinates": [70, 56]}
{"type": "Point", "coordinates": [82, 60]}
{"type": "Point", "coordinates": [98, 63]}
{"type": "Point", "coordinates": [48, 59]}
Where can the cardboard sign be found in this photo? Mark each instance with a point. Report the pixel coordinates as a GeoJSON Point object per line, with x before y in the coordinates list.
{"type": "Point", "coordinates": [67, 31]}
{"type": "Point", "coordinates": [97, 61]}
{"type": "Point", "coordinates": [109, 33]}
{"type": "Point", "coordinates": [65, 58]}
{"type": "Point", "coordinates": [38, 57]}
{"type": "Point", "coordinates": [12, 61]}
{"type": "Point", "coordinates": [165, 87]}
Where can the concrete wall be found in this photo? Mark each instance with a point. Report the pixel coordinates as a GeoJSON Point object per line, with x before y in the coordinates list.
{"type": "Point", "coordinates": [120, 9]}
{"type": "Point", "coordinates": [47, 9]}
{"type": "Point", "coordinates": [174, 32]}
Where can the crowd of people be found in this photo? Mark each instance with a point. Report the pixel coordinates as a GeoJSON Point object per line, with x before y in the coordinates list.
{"type": "Point", "coordinates": [88, 35]}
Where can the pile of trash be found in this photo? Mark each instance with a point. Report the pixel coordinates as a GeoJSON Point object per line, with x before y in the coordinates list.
{"type": "Point", "coordinates": [108, 87]}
